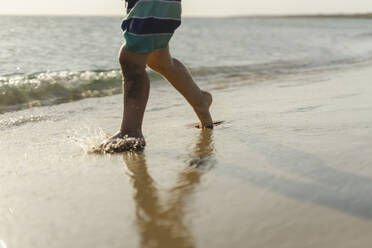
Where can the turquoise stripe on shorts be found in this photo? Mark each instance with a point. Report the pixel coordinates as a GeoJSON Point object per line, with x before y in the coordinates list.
{"type": "Point", "coordinates": [150, 24]}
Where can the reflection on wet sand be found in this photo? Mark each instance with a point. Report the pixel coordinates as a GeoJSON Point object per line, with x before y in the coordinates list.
{"type": "Point", "coordinates": [313, 180]}
{"type": "Point", "coordinates": [162, 225]}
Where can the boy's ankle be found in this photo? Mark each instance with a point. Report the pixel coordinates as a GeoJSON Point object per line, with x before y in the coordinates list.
{"type": "Point", "coordinates": [134, 133]}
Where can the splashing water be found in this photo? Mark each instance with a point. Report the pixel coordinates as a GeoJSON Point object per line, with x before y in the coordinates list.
{"type": "Point", "coordinates": [87, 138]}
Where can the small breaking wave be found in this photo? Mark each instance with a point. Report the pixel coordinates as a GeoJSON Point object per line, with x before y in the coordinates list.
{"type": "Point", "coordinates": [49, 88]}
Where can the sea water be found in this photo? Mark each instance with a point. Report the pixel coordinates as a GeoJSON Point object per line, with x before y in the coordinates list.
{"type": "Point", "coordinates": [289, 167]}
{"type": "Point", "coordinates": [49, 60]}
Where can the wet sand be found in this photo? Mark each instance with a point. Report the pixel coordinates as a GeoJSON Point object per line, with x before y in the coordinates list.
{"type": "Point", "coordinates": [289, 167]}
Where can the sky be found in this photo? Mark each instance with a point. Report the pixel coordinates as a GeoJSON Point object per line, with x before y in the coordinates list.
{"type": "Point", "coordinates": [190, 7]}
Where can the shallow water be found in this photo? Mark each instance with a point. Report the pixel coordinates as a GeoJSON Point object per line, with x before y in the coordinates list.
{"type": "Point", "coordinates": [91, 43]}
{"type": "Point", "coordinates": [72, 58]}
{"type": "Point", "coordinates": [289, 167]}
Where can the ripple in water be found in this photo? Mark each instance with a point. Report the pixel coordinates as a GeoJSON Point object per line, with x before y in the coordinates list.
{"type": "Point", "coordinates": [21, 120]}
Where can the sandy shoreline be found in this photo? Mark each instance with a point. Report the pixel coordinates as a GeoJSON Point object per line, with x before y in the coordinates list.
{"type": "Point", "coordinates": [290, 167]}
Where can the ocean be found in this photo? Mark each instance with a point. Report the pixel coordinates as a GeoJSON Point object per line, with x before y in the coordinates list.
{"type": "Point", "coordinates": [290, 166]}
{"type": "Point", "coordinates": [49, 60]}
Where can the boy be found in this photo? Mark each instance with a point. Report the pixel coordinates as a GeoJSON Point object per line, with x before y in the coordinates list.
{"type": "Point", "coordinates": [148, 29]}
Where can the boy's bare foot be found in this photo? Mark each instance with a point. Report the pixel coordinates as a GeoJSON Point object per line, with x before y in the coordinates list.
{"type": "Point", "coordinates": [202, 110]}
{"type": "Point", "coordinates": [121, 142]}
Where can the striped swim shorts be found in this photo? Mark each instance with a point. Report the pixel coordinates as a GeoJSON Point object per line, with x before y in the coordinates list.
{"type": "Point", "coordinates": [150, 24]}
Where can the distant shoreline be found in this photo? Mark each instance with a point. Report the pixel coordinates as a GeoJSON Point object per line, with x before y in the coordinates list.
{"type": "Point", "coordinates": [340, 15]}
{"type": "Point", "coordinates": [364, 16]}
{"type": "Point", "coordinates": [359, 16]}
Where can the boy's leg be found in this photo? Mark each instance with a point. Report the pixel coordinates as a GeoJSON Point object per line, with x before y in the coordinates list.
{"type": "Point", "coordinates": [177, 74]}
{"type": "Point", "coordinates": [136, 87]}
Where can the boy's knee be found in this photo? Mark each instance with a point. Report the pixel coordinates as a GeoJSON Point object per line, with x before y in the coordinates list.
{"type": "Point", "coordinates": [177, 63]}
{"type": "Point", "coordinates": [131, 65]}
{"type": "Point", "coordinates": [131, 70]}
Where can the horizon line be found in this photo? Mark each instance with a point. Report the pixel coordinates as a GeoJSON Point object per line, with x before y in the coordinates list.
{"type": "Point", "coordinates": [319, 14]}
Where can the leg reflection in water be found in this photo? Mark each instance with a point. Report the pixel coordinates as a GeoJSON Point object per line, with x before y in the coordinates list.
{"type": "Point", "coordinates": [162, 225]}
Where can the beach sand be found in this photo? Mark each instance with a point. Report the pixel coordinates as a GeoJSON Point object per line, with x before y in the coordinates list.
{"type": "Point", "coordinates": [289, 167]}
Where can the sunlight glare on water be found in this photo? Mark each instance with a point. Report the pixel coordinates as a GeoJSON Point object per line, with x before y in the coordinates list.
{"type": "Point", "coordinates": [2, 244]}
